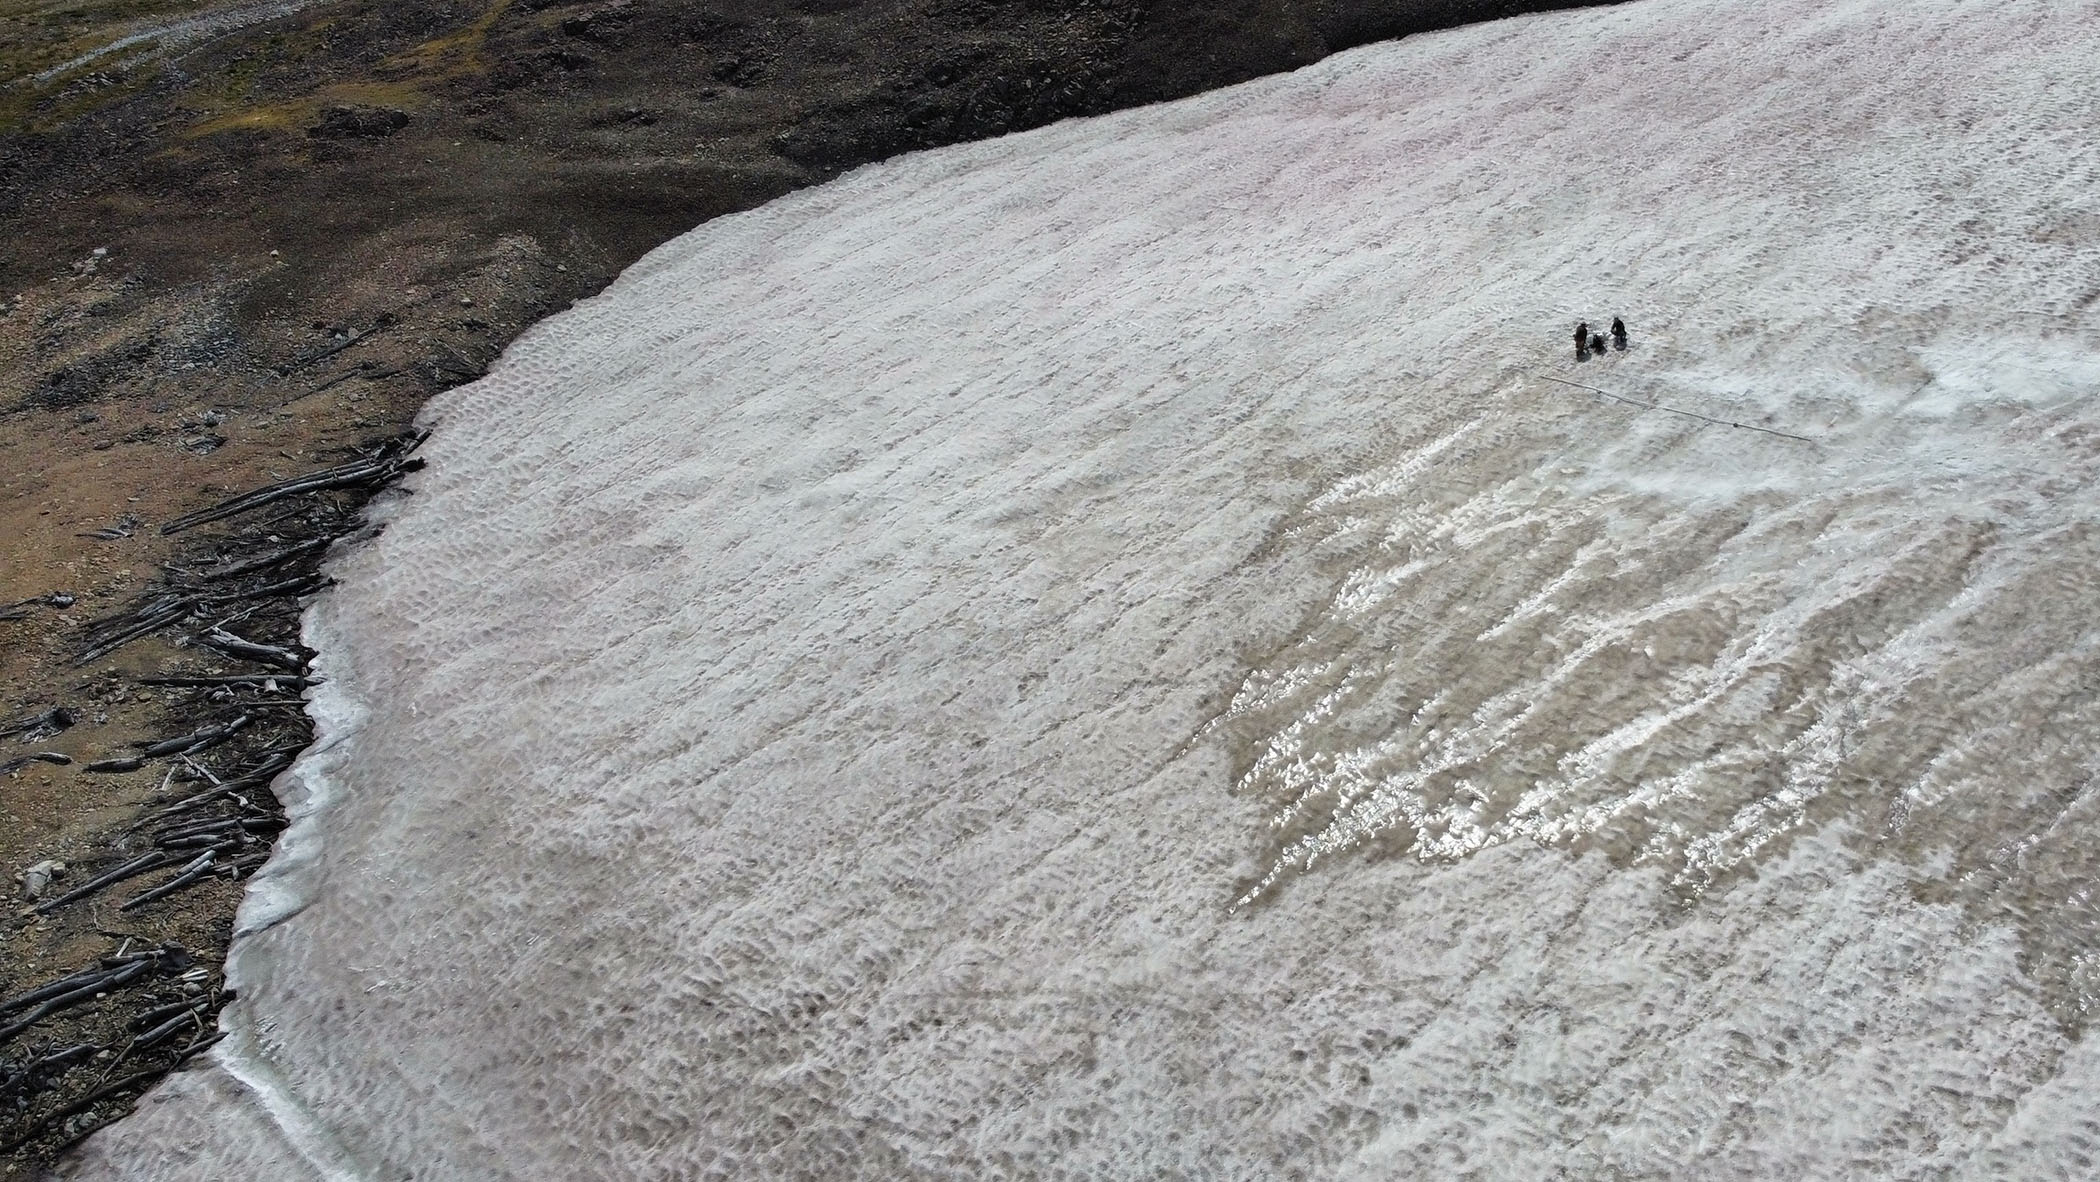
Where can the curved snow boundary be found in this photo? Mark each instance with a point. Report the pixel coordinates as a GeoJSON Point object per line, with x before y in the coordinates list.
{"type": "Point", "coordinates": [779, 686]}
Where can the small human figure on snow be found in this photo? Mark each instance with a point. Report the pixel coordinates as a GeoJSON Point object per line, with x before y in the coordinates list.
{"type": "Point", "coordinates": [1597, 343]}
{"type": "Point", "coordinates": [1618, 334]}
{"type": "Point", "coordinates": [1582, 341]}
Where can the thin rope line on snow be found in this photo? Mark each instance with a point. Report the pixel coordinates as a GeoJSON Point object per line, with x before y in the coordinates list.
{"type": "Point", "coordinates": [1690, 414]}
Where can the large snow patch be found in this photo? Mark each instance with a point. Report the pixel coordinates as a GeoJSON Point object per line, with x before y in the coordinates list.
{"type": "Point", "coordinates": [1103, 653]}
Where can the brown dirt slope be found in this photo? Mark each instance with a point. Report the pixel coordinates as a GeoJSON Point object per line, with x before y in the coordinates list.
{"type": "Point", "coordinates": [245, 237]}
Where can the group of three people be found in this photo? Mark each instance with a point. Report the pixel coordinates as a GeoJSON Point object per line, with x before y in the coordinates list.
{"type": "Point", "coordinates": [1587, 342]}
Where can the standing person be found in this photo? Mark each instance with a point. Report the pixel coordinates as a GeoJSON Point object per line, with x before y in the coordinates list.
{"type": "Point", "coordinates": [1618, 334]}
{"type": "Point", "coordinates": [1582, 340]}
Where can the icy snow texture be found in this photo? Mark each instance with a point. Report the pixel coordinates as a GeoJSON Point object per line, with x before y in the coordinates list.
{"type": "Point", "coordinates": [1099, 654]}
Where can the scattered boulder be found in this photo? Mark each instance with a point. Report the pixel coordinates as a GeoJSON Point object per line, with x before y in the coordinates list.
{"type": "Point", "coordinates": [358, 123]}
{"type": "Point", "coordinates": [741, 72]}
{"type": "Point", "coordinates": [599, 24]}
{"type": "Point", "coordinates": [567, 61]}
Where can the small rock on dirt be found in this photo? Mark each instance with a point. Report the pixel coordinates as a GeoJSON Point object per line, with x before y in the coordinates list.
{"type": "Point", "coordinates": [37, 879]}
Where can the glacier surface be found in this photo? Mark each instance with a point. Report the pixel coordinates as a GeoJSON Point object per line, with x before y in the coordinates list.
{"type": "Point", "coordinates": [1116, 652]}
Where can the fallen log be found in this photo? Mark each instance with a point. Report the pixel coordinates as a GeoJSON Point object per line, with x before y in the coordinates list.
{"type": "Point", "coordinates": [211, 841]}
{"type": "Point", "coordinates": [102, 984]}
{"type": "Point", "coordinates": [247, 650]}
{"type": "Point", "coordinates": [148, 621]}
{"type": "Point", "coordinates": [61, 1058]}
{"type": "Point", "coordinates": [64, 984]}
{"type": "Point", "coordinates": [265, 561]}
{"type": "Point", "coordinates": [189, 874]}
{"type": "Point", "coordinates": [286, 369]}
{"type": "Point", "coordinates": [288, 588]}
{"type": "Point", "coordinates": [103, 625]}
{"type": "Point", "coordinates": [389, 463]}
{"type": "Point", "coordinates": [176, 956]}
{"type": "Point", "coordinates": [55, 719]}
{"type": "Point", "coordinates": [159, 1014]}
{"type": "Point", "coordinates": [162, 1032]}
{"type": "Point", "coordinates": [136, 866]}
{"type": "Point", "coordinates": [202, 798]}
{"type": "Point", "coordinates": [191, 743]}
{"type": "Point", "coordinates": [290, 681]}
{"type": "Point", "coordinates": [206, 828]}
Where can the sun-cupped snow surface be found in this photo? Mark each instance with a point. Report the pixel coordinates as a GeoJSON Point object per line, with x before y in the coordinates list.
{"type": "Point", "coordinates": [1115, 652]}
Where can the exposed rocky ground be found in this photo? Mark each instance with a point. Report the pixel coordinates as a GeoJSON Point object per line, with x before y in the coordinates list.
{"type": "Point", "coordinates": [245, 240]}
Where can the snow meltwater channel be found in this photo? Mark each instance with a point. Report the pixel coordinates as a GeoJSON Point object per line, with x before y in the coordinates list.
{"type": "Point", "coordinates": [1101, 654]}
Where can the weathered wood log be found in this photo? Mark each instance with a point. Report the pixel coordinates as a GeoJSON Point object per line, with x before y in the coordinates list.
{"type": "Point", "coordinates": [149, 622]}
{"type": "Point", "coordinates": [288, 681]}
{"type": "Point", "coordinates": [113, 766]}
{"type": "Point", "coordinates": [55, 719]}
{"type": "Point", "coordinates": [175, 956]}
{"type": "Point", "coordinates": [351, 342]}
{"type": "Point", "coordinates": [198, 741]}
{"type": "Point", "coordinates": [344, 476]}
{"type": "Point", "coordinates": [284, 589]}
{"type": "Point", "coordinates": [330, 384]}
{"type": "Point", "coordinates": [136, 866]}
{"type": "Point", "coordinates": [159, 1014]}
{"type": "Point", "coordinates": [213, 841]}
{"type": "Point", "coordinates": [65, 984]}
{"type": "Point", "coordinates": [264, 561]}
{"type": "Point", "coordinates": [187, 875]}
{"type": "Point", "coordinates": [387, 464]}
{"type": "Point", "coordinates": [193, 1017]}
{"type": "Point", "coordinates": [107, 981]}
{"type": "Point", "coordinates": [63, 1057]}
{"type": "Point", "coordinates": [256, 775]}
{"type": "Point", "coordinates": [225, 825]}
{"type": "Point", "coordinates": [247, 650]}
{"type": "Point", "coordinates": [124, 617]}
{"type": "Point", "coordinates": [190, 803]}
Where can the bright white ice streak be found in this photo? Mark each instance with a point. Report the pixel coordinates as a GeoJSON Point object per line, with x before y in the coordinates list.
{"type": "Point", "coordinates": [1100, 654]}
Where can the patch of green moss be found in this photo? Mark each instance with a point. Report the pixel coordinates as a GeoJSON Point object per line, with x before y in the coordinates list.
{"type": "Point", "coordinates": [294, 115]}
{"type": "Point", "coordinates": [37, 35]}
{"type": "Point", "coordinates": [276, 82]}
{"type": "Point", "coordinates": [403, 80]}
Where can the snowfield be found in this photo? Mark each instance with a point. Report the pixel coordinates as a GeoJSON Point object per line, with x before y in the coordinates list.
{"type": "Point", "coordinates": [1104, 654]}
